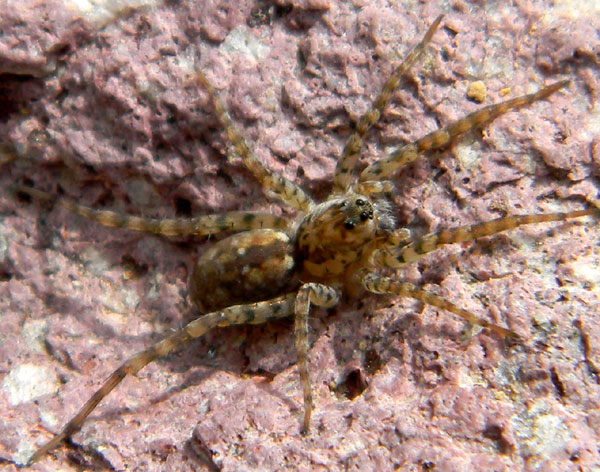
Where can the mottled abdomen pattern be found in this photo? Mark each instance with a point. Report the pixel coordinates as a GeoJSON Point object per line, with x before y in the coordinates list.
{"type": "Point", "coordinates": [245, 267]}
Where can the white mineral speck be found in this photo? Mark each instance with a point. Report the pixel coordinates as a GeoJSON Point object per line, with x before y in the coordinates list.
{"type": "Point", "coordinates": [242, 40]}
{"type": "Point", "coordinates": [28, 381]}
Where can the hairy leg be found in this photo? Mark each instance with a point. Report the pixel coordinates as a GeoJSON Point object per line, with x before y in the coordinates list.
{"type": "Point", "coordinates": [389, 286]}
{"type": "Point", "coordinates": [400, 250]}
{"type": "Point", "coordinates": [347, 161]}
{"type": "Point", "coordinates": [371, 187]}
{"type": "Point", "coordinates": [408, 251]}
{"type": "Point", "coordinates": [323, 296]}
{"type": "Point", "coordinates": [385, 168]}
{"type": "Point", "coordinates": [286, 191]}
{"type": "Point", "coordinates": [202, 225]}
{"type": "Point", "coordinates": [254, 313]}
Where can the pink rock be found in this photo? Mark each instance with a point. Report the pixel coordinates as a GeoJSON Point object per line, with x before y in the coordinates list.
{"type": "Point", "coordinates": [104, 110]}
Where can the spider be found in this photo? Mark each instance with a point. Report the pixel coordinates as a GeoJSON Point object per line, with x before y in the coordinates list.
{"type": "Point", "coordinates": [348, 244]}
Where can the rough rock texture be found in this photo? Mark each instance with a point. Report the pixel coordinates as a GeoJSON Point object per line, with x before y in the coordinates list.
{"type": "Point", "coordinates": [101, 106]}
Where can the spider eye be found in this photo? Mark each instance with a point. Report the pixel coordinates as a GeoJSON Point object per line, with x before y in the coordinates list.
{"type": "Point", "coordinates": [364, 216]}
{"type": "Point", "coordinates": [349, 225]}
{"type": "Point", "coordinates": [360, 202]}
{"type": "Point", "coordinates": [342, 205]}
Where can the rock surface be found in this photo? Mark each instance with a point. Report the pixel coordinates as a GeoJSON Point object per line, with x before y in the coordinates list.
{"type": "Point", "coordinates": [100, 105]}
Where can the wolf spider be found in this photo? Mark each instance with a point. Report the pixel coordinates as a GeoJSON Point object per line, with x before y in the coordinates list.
{"type": "Point", "coordinates": [274, 268]}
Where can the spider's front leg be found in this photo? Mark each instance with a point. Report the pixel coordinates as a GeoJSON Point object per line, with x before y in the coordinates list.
{"type": "Point", "coordinates": [408, 251]}
{"type": "Point", "coordinates": [347, 161]}
{"type": "Point", "coordinates": [385, 168]}
{"type": "Point", "coordinates": [400, 250]}
{"type": "Point", "coordinates": [389, 286]}
{"type": "Point", "coordinates": [319, 295]}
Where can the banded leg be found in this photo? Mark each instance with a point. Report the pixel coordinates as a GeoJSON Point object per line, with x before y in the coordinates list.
{"type": "Point", "coordinates": [255, 313]}
{"type": "Point", "coordinates": [407, 252]}
{"type": "Point", "coordinates": [388, 166]}
{"type": "Point", "coordinates": [323, 296]}
{"type": "Point", "coordinates": [347, 161]}
{"type": "Point", "coordinates": [202, 225]}
{"type": "Point", "coordinates": [286, 191]}
{"type": "Point", "coordinates": [371, 187]}
{"type": "Point", "coordinates": [388, 286]}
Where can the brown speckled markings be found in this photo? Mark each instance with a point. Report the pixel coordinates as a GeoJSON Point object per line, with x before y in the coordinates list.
{"type": "Point", "coordinates": [246, 267]}
{"type": "Point", "coordinates": [77, 298]}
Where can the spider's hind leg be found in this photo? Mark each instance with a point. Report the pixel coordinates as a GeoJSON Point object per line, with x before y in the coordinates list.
{"type": "Point", "coordinates": [254, 313]}
{"type": "Point", "coordinates": [199, 226]}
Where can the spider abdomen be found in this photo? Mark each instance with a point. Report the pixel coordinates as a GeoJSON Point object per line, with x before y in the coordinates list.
{"type": "Point", "coordinates": [246, 267]}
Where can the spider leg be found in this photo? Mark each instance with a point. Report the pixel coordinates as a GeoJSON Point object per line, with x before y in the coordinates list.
{"type": "Point", "coordinates": [202, 225]}
{"type": "Point", "coordinates": [347, 161]}
{"type": "Point", "coordinates": [388, 286]}
{"type": "Point", "coordinates": [371, 187]}
{"type": "Point", "coordinates": [286, 191]}
{"type": "Point", "coordinates": [408, 251]}
{"type": "Point", "coordinates": [255, 313]}
{"type": "Point", "coordinates": [323, 296]}
{"type": "Point", "coordinates": [388, 166]}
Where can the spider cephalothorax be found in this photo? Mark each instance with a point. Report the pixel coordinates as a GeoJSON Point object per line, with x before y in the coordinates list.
{"type": "Point", "coordinates": [340, 233]}
{"type": "Point", "coordinates": [274, 268]}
